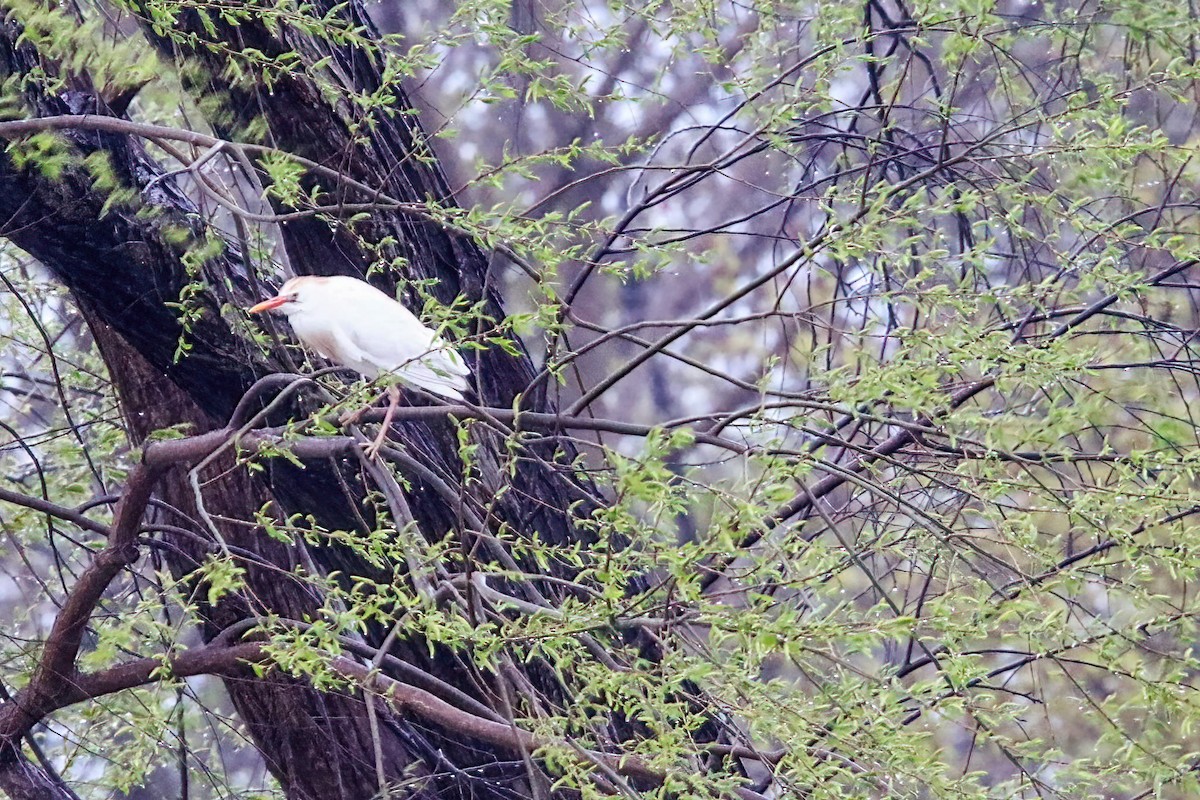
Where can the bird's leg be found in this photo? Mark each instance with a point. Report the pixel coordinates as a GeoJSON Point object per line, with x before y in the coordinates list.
{"type": "Point", "coordinates": [393, 393]}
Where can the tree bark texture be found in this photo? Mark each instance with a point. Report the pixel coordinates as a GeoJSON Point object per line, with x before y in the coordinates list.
{"type": "Point", "coordinates": [125, 269]}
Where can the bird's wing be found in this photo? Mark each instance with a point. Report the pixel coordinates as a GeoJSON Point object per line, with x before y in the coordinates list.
{"type": "Point", "coordinates": [393, 339]}
{"type": "Point", "coordinates": [345, 351]}
{"type": "Point", "coordinates": [433, 378]}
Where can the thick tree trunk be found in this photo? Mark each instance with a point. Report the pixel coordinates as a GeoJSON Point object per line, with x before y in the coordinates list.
{"type": "Point", "coordinates": [125, 270]}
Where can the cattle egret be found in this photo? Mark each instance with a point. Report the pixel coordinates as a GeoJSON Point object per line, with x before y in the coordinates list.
{"type": "Point", "coordinates": [351, 323]}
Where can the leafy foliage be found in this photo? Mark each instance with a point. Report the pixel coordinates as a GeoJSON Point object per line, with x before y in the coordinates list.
{"type": "Point", "coordinates": [873, 331]}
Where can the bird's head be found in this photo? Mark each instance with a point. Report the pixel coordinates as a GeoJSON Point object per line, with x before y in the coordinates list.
{"type": "Point", "coordinates": [291, 296]}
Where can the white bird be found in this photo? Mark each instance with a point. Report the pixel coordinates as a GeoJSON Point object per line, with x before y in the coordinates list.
{"type": "Point", "coordinates": [353, 324]}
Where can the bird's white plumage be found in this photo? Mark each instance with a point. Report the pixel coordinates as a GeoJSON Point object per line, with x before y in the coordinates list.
{"type": "Point", "coordinates": [353, 324]}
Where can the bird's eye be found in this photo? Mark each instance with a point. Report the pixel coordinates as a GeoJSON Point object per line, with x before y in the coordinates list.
{"type": "Point", "coordinates": [293, 297]}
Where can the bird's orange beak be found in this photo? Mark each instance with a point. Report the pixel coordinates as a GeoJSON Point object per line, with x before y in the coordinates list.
{"type": "Point", "coordinates": [267, 305]}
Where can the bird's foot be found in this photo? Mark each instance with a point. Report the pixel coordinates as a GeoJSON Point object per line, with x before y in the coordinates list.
{"type": "Point", "coordinates": [372, 450]}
